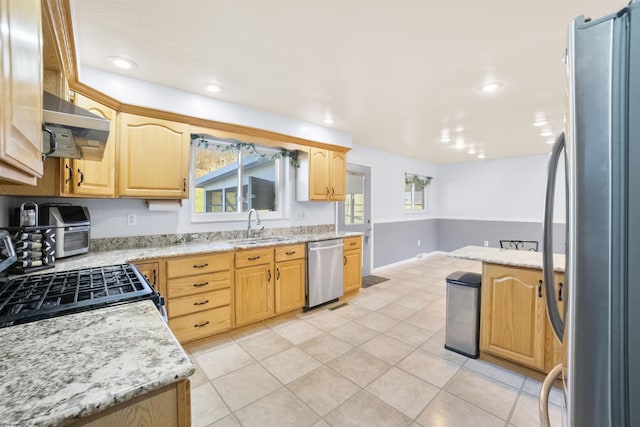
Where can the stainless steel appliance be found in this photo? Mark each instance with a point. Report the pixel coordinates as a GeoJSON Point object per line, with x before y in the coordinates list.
{"type": "Point", "coordinates": [602, 163]}
{"type": "Point", "coordinates": [325, 272]}
{"type": "Point", "coordinates": [72, 132]}
{"type": "Point", "coordinates": [72, 228]}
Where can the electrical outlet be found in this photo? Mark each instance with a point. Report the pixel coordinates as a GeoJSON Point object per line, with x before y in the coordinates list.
{"type": "Point", "coordinates": [486, 243]}
{"type": "Point", "coordinates": [132, 219]}
{"type": "Point", "coordinates": [418, 242]}
{"type": "Point", "coordinates": [300, 214]}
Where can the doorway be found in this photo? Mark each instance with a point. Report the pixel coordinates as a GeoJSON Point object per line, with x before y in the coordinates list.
{"type": "Point", "coordinates": [354, 214]}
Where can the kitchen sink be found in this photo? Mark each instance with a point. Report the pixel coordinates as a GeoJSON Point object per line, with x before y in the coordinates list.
{"type": "Point", "coordinates": [262, 240]}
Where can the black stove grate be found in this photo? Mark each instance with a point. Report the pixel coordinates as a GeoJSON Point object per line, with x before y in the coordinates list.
{"type": "Point", "coordinates": [36, 297]}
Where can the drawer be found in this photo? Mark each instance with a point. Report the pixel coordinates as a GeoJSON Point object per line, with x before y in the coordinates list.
{"type": "Point", "coordinates": [198, 302]}
{"type": "Point", "coordinates": [199, 264]}
{"type": "Point", "coordinates": [284, 253]}
{"type": "Point", "coordinates": [352, 243]}
{"type": "Point", "coordinates": [199, 325]}
{"type": "Point", "coordinates": [196, 284]}
{"type": "Point", "coordinates": [251, 257]}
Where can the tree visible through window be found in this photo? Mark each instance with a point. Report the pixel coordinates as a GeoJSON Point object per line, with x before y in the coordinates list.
{"type": "Point", "coordinates": [415, 187]}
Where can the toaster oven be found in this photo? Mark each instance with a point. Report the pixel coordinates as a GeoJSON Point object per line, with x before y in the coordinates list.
{"type": "Point", "coordinates": [72, 226]}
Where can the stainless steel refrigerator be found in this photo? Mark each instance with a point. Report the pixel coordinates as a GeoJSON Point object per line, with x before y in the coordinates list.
{"type": "Point", "coordinates": [600, 330]}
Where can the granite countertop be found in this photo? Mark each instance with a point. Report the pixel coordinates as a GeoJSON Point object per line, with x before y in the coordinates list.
{"type": "Point", "coordinates": [515, 258]}
{"type": "Point", "coordinates": [123, 256]}
{"type": "Point", "coordinates": [60, 369]}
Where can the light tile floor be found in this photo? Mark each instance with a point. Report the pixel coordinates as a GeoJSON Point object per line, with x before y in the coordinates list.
{"type": "Point", "coordinates": [377, 361]}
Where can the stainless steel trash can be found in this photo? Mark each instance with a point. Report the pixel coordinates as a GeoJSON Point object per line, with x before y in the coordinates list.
{"type": "Point", "coordinates": [463, 313]}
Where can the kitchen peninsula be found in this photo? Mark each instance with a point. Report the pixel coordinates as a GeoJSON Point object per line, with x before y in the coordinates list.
{"type": "Point", "coordinates": [114, 366]}
{"type": "Point", "coordinates": [513, 316]}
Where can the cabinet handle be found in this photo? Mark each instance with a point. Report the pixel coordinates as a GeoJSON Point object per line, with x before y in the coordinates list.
{"type": "Point", "coordinates": [201, 265]}
{"type": "Point", "coordinates": [539, 288]}
{"type": "Point", "coordinates": [198, 285]}
{"type": "Point", "coordinates": [290, 253]}
{"type": "Point", "coordinates": [253, 258]}
{"type": "Point", "coordinates": [184, 184]}
{"type": "Point", "coordinates": [269, 275]}
{"type": "Point", "coordinates": [81, 177]}
{"type": "Point", "coordinates": [154, 277]}
{"type": "Point", "coordinates": [327, 191]}
{"type": "Point", "coordinates": [277, 274]}
{"type": "Point", "coordinates": [68, 180]}
{"type": "Point", "coordinates": [201, 302]}
{"type": "Point", "coordinates": [333, 191]}
{"type": "Point", "coordinates": [560, 291]}
{"type": "Point", "coordinates": [344, 260]}
{"type": "Point", "coordinates": [200, 325]}
{"type": "Point", "coordinates": [352, 244]}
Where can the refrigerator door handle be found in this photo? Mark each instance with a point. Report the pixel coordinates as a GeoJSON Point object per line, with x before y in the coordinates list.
{"type": "Point", "coordinates": [557, 323]}
{"type": "Point", "coordinates": [545, 390]}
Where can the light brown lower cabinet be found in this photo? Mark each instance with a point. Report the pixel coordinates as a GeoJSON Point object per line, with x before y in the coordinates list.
{"type": "Point", "coordinates": [514, 324]}
{"type": "Point", "coordinates": [290, 278]}
{"type": "Point", "coordinates": [169, 406]}
{"type": "Point", "coordinates": [352, 270]}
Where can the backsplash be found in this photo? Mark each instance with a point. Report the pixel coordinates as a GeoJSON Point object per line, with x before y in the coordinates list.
{"type": "Point", "coordinates": [133, 242]}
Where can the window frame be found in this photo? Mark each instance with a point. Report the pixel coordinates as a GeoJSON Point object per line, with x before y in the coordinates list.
{"type": "Point", "coordinates": [413, 209]}
{"type": "Point", "coordinates": [281, 179]}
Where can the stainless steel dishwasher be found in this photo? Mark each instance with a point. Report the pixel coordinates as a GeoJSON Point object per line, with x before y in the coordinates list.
{"type": "Point", "coordinates": [325, 271]}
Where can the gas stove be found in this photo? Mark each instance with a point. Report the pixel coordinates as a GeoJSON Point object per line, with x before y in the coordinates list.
{"type": "Point", "coordinates": [41, 296]}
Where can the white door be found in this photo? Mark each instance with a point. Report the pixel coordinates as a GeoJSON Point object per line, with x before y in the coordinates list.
{"type": "Point", "coordinates": [354, 214]}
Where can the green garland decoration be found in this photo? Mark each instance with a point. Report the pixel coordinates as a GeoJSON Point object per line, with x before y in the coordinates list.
{"type": "Point", "coordinates": [417, 180]}
{"type": "Point", "coordinates": [248, 147]}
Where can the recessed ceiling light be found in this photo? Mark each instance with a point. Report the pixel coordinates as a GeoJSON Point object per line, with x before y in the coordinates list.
{"type": "Point", "coordinates": [214, 88]}
{"type": "Point", "coordinates": [540, 120]}
{"type": "Point", "coordinates": [549, 141]}
{"type": "Point", "coordinates": [546, 132]}
{"type": "Point", "coordinates": [481, 156]}
{"type": "Point", "coordinates": [492, 86]}
{"type": "Point", "coordinates": [123, 63]}
{"type": "Point", "coordinates": [328, 121]}
{"type": "Point", "coordinates": [459, 143]}
{"type": "Point", "coordinates": [472, 150]}
{"type": "Point", "coordinates": [459, 128]}
{"type": "Point", "coordinates": [444, 136]}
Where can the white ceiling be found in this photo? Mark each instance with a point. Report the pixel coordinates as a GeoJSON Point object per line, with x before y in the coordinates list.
{"type": "Point", "coordinates": [391, 73]}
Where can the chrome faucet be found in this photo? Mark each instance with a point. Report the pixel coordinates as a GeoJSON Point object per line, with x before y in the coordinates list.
{"type": "Point", "coordinates": [249, 222]}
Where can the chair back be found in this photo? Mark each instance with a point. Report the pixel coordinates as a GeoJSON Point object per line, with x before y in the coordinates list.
{"type": "Point", "coordinates": [520, 245]}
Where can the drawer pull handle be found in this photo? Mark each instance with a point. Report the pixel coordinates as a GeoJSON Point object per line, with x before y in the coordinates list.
{"type": "Point", "coordinates": [277, 273]}
{"type": "Point", "coordinates": [353, 244]}
{"type": "Point", "coordinates": [201, 265]}
{"type": "Point", "coordinates": [253, 258]}
{"type": "Point", "coordinates": [201, 302]}
{"type": "Point", "coordinates": [200, 325]}
{"type": "Point", "coordinates": [197, 285]}
{"type": "Point", "coordinates": [269, 275]}
{"type": "Point", "coordinates": [290, 253]}
{"type": "Point", "coordinates": [344, 260]}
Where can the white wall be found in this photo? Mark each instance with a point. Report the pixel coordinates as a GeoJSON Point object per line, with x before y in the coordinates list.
{"type": "Point", "coordinates": [145, 94]}
{"type": "Point", "coordinates": [387, 183]}
{"type": "Point", "coordinates": [509, 189]}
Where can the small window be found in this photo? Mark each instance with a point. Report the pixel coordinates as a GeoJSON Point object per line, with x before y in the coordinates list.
{"type": "Point", "coordinates": [415, 187]}
{"type": "Point", "coordinates": [232, 177]}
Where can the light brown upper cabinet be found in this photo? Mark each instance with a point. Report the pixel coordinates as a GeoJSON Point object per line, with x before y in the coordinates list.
{"type": "Point", "coordinates": [153, 158]}
{"type": "Point", "coordinates": [21, 91]}
{"type": "Point", "coordinates": [322, 175]}
{"type": "Point", "coordinates": [88, 177]}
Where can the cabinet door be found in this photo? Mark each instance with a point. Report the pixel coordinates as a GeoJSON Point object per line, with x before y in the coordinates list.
{"type": "Point", "coordinates": [154, 158]}
{"type": "Point", "coordinates": [253, 294]}
{"type": "Point", "coordinates": [338, 175]}
{"type": "Point", "coordinates": [318, 174]}
{"type": "Point", "coordinates": [96, 178]}
{"type": "Point", "coordinates": [352, 270]}
{"type": "Point", "coordinates": [290, 285]}
{"type": "Point", "coordinates": [150, 270]}
{"type": "Point", "coordinates": [21, 91]}
{"type": "Point", "coordinates": [513, 315]}
{"type": "Point", "coordinates": [554, 346]}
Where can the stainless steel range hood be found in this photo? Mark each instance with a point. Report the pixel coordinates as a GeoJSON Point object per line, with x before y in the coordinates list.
{"type": "Point", "coordinates": [79, 133]}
